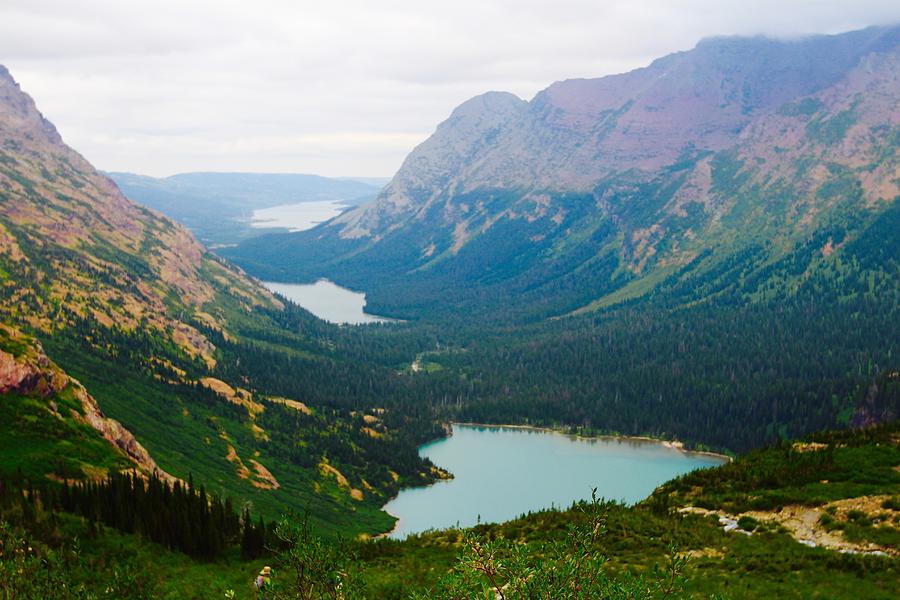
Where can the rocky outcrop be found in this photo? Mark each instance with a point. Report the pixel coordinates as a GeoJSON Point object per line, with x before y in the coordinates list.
{"type": "Point", "coordinates": [117, 435]}
{"type": "Point", "coordinates": [32, 373]}
{"type": "Point", "coordinates": [26, 377]}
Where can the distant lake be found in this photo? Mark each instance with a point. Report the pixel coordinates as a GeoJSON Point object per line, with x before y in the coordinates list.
{"type": "Point", "coordinates": [502, 473]}
{"type": "Point", "coordinates": [297, 217]}
{"type": "Point", "coordinates": [328, 301]}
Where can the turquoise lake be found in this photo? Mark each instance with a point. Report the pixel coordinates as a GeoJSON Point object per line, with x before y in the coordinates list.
{"type": "Point", "coordinates": [501, 473]}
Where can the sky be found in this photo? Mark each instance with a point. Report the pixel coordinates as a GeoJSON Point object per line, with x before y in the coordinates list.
{"type": "Point", "coordinates": [343, 87]}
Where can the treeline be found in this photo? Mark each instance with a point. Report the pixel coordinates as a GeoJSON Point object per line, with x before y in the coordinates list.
{"type": "Point", "coordinates": [179, 516]}
{"type": "Point", "coordinates": [732, 377]}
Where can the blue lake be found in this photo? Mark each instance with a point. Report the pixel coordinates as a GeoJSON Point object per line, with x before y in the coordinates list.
{"type": "Point", "coordinates": [501, 473]}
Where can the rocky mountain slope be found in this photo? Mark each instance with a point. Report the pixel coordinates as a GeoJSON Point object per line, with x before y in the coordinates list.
{"type": "Point", "coordinates": [74, 247]}
{"type": "Point", "coordinates": [64, 406]}
{"type": "Point", "coordinates": [74, 250]}
{"type": "Point", "coordinates": [741, 150]}
{"type": "Point", "coordinates": [124, 344]}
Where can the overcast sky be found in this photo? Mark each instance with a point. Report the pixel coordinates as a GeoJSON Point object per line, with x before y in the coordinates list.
{"type": "Point", "coordinates": [339, 87]}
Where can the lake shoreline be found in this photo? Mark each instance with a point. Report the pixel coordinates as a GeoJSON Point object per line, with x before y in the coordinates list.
{"type": "Point", "coordinates": [674, 444]}
{"type": "Point", "coordinates": [297, 216]}
{"type": "Point", "coordinates": [448, 431]}
{"type": "Point", "coordinates": [387, 534]}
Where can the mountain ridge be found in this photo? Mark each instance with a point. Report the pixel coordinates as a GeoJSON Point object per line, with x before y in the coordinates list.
{"type": "Point", "coordinates": [637, 153]}
{"type": "Point", "coordinates": [575, 106]}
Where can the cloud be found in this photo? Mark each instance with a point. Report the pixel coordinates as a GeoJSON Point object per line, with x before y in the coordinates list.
{"type": "Point", "coordinates": [346, 87]}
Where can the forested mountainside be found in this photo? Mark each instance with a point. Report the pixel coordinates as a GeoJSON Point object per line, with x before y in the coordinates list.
{"type": "Point", "coordinates": [705, 242]}
{"type": "Point", "coordinates": [217, 207]}
{"type": "Point", "coordinates": [125, 344]}
{"type": "Point", "coordinates": [739, 168]}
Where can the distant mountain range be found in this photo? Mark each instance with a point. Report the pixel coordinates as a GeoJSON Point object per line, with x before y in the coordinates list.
{"type": "Point", "coordinates": [217, 207]}
{"type": "Point", "coordinates": [739, 168]}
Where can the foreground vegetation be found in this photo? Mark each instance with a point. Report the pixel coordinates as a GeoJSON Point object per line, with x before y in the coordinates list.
{"type": "Point", "coordinates": [596, 549]}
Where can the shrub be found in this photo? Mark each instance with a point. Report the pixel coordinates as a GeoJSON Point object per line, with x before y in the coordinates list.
{"type": "Point", "coordinates": [748, 523]}
{"type": "Point", "coordinates": [572, 568]}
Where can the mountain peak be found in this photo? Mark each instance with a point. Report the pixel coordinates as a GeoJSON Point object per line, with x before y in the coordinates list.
{"type": "Point", "coordinates": [489, 103]}
{"type": "Point", "coordinates": [18, 112]}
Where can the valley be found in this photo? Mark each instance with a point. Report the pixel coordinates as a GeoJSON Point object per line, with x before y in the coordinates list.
{"type": "Point", "coordinates": [222, 209]}
{"type": "Point", "coordinates": [738, 272]}
{"type": "Point", "coordinates": [467, 383]}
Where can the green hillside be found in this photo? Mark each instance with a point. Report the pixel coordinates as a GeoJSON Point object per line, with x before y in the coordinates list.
{"type": "Point", "coordinates": [128, 345]}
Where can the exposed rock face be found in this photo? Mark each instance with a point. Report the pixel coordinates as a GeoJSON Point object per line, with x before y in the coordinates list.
{"type": "Point", "coordinates": [578, 131]}
{"type": "Point", "coordinates": [26, 378]}
{"type": "Point", "coordinates": [117, 435]}
{"type": "Point", "coordinates": [33, 374]}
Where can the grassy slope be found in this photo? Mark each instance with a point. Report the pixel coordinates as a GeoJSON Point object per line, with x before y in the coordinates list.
{"type": "Point", "coordinates": [846, 465]}
{"type": "Point", "coordinates": [37, 442]}
{"type": "Point", "coordinates": [185, 436]}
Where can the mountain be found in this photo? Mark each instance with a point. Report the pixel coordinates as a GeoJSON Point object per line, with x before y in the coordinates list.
{"type": "Point", "coordinates": [704, 249]}
{"type": "Point", "coordinates": [734, 156]}
{"type": "Point", "coordinates": [74, 250]}
{"type": "Point", "coordinates": [127, 345]}
{"type": "Point", "coordinates": [217, 207]}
